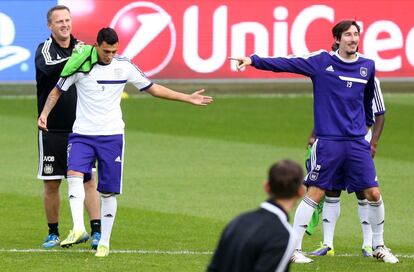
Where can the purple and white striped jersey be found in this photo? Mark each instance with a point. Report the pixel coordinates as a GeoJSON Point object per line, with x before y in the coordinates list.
{"type": "Point", "coordinates": [343, 90]}
{"type": "Point", "coordinates": [378, 105]}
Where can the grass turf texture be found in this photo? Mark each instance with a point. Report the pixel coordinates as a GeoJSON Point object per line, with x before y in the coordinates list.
{"type": "Point", "coordinates": [188, 171]}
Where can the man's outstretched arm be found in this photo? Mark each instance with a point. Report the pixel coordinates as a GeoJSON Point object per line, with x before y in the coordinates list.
{"type": "Point", "coordinates": [195, 98]}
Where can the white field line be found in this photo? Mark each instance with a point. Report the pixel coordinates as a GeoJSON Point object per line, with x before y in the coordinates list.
{"type": "Point", "coordinates": [116, 251]}
{"type": "Point", "coordinates": [146, 252]}
{"type": "Point", "coordinates": [360, 255]}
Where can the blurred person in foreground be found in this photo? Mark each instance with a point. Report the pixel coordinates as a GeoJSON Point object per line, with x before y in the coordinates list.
{"type": "Point", "coordinates": [263, 240]}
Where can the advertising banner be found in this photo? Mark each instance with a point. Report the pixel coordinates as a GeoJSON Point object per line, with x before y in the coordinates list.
{"type": "Point", "coordinates": [22, 27]}
{"type": "Point", "coordinates": [192, 39]}
{"type": "Point", "coordinates": [186, 39]}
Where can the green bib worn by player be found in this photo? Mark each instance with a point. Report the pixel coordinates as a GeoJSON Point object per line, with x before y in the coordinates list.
{"type": "Point", "coordinates": [318, 211]}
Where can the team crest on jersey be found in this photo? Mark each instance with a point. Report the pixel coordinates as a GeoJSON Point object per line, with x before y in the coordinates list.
{"type": "Point", "coordinates": [48, 169]}
{"type": "Point", "coordinates": [118, 72]}
{"type": "Point", "coordinates": [363, 71]}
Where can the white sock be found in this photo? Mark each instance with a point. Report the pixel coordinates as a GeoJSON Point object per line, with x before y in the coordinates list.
{"type": "Point", "coordinates": [76, 194]}
{"type": "Point", "coordinates": [376, 215]}
{"type": "Point", "coordinates": [366, 227]}
{"type": "Point", "coordinates": [330, 214]}
{"type": "Point", "coordinates": [108, 213]}
{"type": "Point", "coordinates": [303, 216]}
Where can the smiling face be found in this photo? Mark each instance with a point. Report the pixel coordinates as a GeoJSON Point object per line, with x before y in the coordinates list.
{"type": "Point", "coordinates": [60, 24]}
{"type": "Point", "coordinates": [348, 42]}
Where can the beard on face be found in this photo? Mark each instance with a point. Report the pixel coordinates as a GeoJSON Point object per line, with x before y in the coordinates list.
{"type": "Point", "coordinates": [352, 51]}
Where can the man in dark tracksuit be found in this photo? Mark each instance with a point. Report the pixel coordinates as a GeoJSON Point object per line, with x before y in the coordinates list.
{"type": "Point", "coordinates": [262, 240]}
{"type": "Point", "coordinates": [50, 59]}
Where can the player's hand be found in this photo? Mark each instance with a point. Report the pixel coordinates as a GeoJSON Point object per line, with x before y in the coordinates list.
{"type": "Point", "coordinates": [373, 150]}
{"type": "Point", "coordinates": [42, 123]}
{"type": "Point", "coordinates": [197, 98]}
{"type": "Point", "coordinates": [78, 46]}
{"type": "Point", "coordinates": [311, 140]}
{"type": "Point", "coordinates": [242, 62]}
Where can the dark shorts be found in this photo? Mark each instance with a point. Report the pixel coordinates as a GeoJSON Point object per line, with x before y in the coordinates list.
{"type": "Point", "coordinates": [52, 155]}
{"type": "Point", "coordinates": [52, 147]}
{"type": "Point", "coordinates": [107, 150]}
{"type": "Point", "coordinates": [339, 165]}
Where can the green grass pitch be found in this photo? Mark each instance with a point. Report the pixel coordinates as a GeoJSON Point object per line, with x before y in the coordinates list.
{"type": "Point", "coordinates": [188, 171]}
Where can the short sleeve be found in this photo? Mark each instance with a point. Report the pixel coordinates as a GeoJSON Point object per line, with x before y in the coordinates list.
{"type": "Point", "coordinates": [64, 83]}
{"type": "Point", "coordinates": [137, 77]}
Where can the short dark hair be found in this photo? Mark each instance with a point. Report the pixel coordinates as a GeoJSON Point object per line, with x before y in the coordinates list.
{"type": "Point", "coordinates": [285, 179]}
{"type": "Point", "coordinates": [50, 11]}
{"type": "Point", "coordinates": [107, 35]}
{"type": "Point", "coordinates": [343, 26]}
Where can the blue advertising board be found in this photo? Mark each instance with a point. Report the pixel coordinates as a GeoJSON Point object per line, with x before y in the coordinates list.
{"type": "Point", "coordinates": [23, 26]}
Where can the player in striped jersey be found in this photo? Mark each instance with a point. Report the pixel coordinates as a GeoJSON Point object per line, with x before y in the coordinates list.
{"type": "Point", "coordinates": [343, 90]}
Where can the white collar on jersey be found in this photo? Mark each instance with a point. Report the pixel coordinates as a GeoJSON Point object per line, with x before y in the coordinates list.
{"type": "Point", "coordinates": [347, 60]}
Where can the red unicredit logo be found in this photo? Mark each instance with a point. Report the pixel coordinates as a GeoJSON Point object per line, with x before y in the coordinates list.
{"type": "Point", "coordinates": [147, 35]}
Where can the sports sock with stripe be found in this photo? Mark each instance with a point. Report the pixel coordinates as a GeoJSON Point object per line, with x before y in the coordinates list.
{"type": "Point", "coordinates": [376, 214]}
{"type": "Point", "coordinates": [108, 213]}
{"type": "Point", "coordinates": [302, 218]}
{"type": "Point", "coordinates": [365, 225]}
{"type": "Point", "coordinates": [330, 215]}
